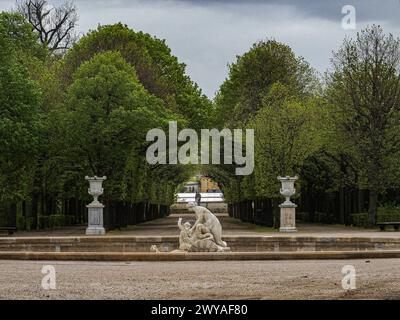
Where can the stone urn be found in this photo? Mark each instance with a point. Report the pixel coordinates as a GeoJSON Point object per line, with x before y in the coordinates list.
{"type": "Point", "coordinates": [95, 187]}
{"type": "Point", "coordinates": [287, 189]}
{"type": "Point", "coordinates": [288, 208]}
{"type": "Point", "coordinates": [95, 208]}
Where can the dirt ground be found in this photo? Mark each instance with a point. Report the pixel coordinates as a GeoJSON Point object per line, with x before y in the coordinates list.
{"type": "Point", "coordinates": [168, 227]}
{"type": "Point", "coordinates": [375, 279]}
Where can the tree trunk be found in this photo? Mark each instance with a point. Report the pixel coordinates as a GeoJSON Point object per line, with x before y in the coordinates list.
{"type": "Point", "coordinates": [342, 203]}
{"type": "Point", "coordinates": [276, 212]}
{"type": "Point", "coordinates": [310, 198]}
{"type": "Point", "coordinates": [373, 206]}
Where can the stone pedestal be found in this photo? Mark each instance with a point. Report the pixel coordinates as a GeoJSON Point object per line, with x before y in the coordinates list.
{"type": "Point", "coordinates": [288, 218]}
{"type": "Point", "coordinates": [95, 219]}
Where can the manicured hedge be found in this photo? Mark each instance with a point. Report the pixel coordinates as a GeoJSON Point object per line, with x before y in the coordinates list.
{"type": "Point", "coordinates": [385, 214]}
{"type": "Point", "coordinates": [388, 214]}
{"type": "Point", "coordinates": [360, 219]}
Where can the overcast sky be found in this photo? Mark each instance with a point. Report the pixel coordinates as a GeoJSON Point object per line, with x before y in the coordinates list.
{"type": "Point", "coordinates": [208, 34]}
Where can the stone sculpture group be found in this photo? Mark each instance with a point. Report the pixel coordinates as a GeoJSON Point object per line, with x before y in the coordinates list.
{"type": "Point", "coordinates": [205, 235]}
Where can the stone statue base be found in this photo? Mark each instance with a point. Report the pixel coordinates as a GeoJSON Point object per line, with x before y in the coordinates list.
{"type": "Point", "coordinates": [95, 231]}
{"type": "Point", "coordinates": [207, 245]}
{"type": "Point", "coordinates": [288, 218]}
{"type": "Point", "coordinates": [95, 220]}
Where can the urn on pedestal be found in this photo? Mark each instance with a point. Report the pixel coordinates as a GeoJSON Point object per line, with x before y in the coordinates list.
{"type": "Point", "coordinates": [95, 208]}
{"type": "Point", "coordinates": [288, 208]}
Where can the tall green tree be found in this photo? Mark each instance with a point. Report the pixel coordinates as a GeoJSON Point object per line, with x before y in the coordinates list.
{"type": "Point", "coordinates": [286, 133]}
{"type": "Point", "coordinates": [252, 75]}
{"type": "Point", "coordinates": [19, 31]}
{"type": "Point", "coordinates": [157, 69]}
{"type": "Point", "coordinates": [19, 118]}
{"type": "Point", "coordinates": [108, 115]}
{"type": "Point", "coordinates": [268, 89]}
{"type": "Point", "coordinates": [364, 90]}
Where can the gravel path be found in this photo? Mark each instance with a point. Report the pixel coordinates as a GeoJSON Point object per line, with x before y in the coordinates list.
{"type": "Point", "coordinates": [376, 279]}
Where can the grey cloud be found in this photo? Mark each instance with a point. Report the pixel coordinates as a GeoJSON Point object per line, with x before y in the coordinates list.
{"type": "Point", "coordinates": [207, 35]}
{"type": "Point", "coordinates": [367, 10]}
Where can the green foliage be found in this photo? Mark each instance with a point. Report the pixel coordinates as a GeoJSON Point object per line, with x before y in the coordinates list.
{"type": "Point", "coordinates": [361, 219]}
{"type": "Point", "coordinates": [20, 34]}
{"type": "Point", "coordinates": [57, 220]}
{"type": "Point", "coordinates": [388, 214]}
{"type": "Point", "coordinates": [286, 131]}
{"type": "Point", "coordinates": [252, 76]}
{"type": "Point", "coordinates": [21, 223]}
{"type": "Point", "coordinates": [385, 214]}
{"type": "Point", "coordinates": [157, 69]}
{"type": "Point", "coordinates": [272, 91]}
{"type": "Point", "coordinates": [44, 222]}
{"type": "Point", "coordinates": [30, 222]}
{"type": "Point", "coordinates": [88, 114]}
{"type": "Point", "coordinates": [108, 115]}
{"type": "Point", "coordinates": [363, 90]}
{"type": "Point", "coordinates": [19, 120]}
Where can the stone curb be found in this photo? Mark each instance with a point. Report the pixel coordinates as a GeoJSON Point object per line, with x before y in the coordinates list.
{"type": "Point", "coordinates": [146, 256]}
{"type": "Point", "coordinates": [294, 238]}
{"type": "Point", "coordinates": [248, 244]}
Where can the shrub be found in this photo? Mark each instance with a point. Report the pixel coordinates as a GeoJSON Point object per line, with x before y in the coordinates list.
{"type": "Point", "coordinates": [69, 220]}
{"type": "Point", "coordinates": [21, 223]}
{"type": "Point", "coordinates": [56, 220]}
{"type": "Point", "coordinates": [388, 214]}
{"type": "Point", "coordinates": [3, 218]}
{"type": "Point", "coordinates": [323, 217]}
{"type": "Point", "coordinates": [30, 223]}
{"type": "Point", "coordinates": [360, 219]}
{"type": "Point", "coordinates": [302, 216]}
{"type": "Point", "coordinates": [385, 214]}
{"type": "Point", "coordinates": [44, 222]}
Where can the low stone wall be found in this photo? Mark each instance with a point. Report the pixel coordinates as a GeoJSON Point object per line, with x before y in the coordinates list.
{"type": "Point", "coordinates": [199, 256]}
{"type": "Point", "coordinates": [169, 243]}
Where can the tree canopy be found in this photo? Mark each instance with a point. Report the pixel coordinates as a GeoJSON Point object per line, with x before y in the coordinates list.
{"type": "Point", "coordinates": [19, 112]}
{"type": "Point", "coordinates": [87, 110]}
{"type": "Point", "coordinates": [364, 92]}
{"type": "Point", "coordinates": [252, 75]}
{"type": "Point", "coordinates": [157, 69]}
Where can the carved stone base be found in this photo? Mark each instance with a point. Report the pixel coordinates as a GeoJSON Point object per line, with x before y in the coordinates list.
{"type": "Point", "coordinates": [287, 229]}
{"type": "Point", "coordinates": [95, 231]}
{"type": "Point", "coordinates": [207, 246]}
{"type": "Point", "coordinates": [95, 220]}
{"type": "Point", "coordinates": [288, 218]}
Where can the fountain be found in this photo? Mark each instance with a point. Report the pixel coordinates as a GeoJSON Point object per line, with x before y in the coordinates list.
{"type": "Point", "coordinates": [205, 235]}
